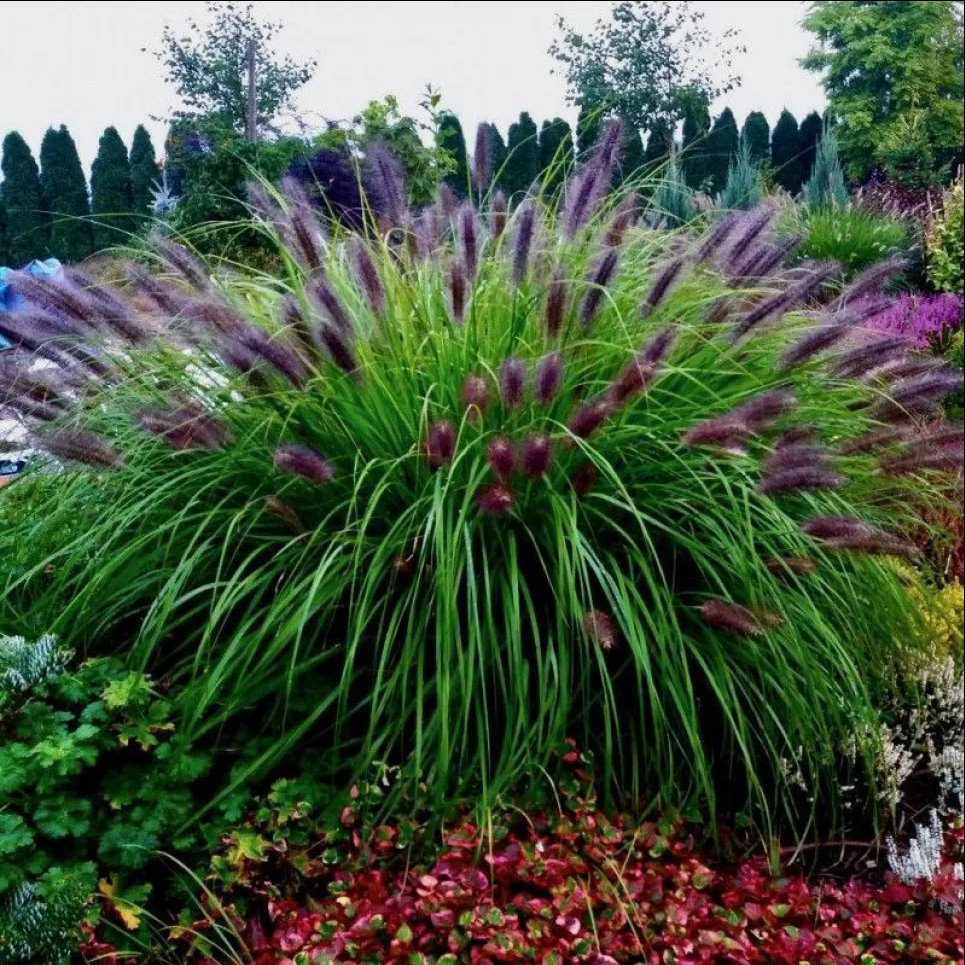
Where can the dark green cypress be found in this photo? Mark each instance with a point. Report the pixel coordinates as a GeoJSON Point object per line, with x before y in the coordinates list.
{"type": "Point", "coordinates": [110, 189]}
{"type": "Point", "coordinates": [65, 194]}
{"type": "Point", "coordinates": [588, 127]}
{"type": "Point", "coordinates": [696, 128]}
{"type": "Point", "coordinates": [522, 165]}
{"type": "Point", "coordinates": [4, 247]}
{"type": "Point", "coordinates": [633, 159]}
{"type": "Point", "coordinates": [555, 153]}
{"type": "Point", "coordinates": [809, 134]}
{"type": "Point", "coordinates": [28, 223]}
{"type": "Point", "coordinates": [785, 152]}
{"type": "Point", "coordinates": [722, 143]}
{"type": "Point", "coordinates": [498, 154]}
{"type": "Point", "coordinates": [144, 173]}
{"type": "Point", "coordinates": [757, 136]}
{"type": "Point", "coordinates": [659, 143]}
{"type": "Point", "coordinates": [450, 138]}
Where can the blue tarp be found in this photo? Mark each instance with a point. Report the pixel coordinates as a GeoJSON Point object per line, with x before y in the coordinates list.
{"type": "Point", "coordinates": [10, 301]}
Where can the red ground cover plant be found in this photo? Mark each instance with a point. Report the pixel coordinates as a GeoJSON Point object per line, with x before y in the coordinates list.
{"type": "Point", "coordinates": [575, 886]}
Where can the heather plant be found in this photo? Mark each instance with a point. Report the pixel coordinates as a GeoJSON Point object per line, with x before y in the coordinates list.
{"type": "Point", "coordinates": [446, 493]}
{"type": "Point", "coordinates": [927, 320]}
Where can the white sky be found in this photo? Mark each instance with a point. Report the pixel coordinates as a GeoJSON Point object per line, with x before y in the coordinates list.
{"type": "Point", "coordinates": [82, 64]}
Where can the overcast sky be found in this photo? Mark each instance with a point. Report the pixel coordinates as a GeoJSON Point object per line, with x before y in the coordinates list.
{"type": "Point", "coordinates": [83, 64]}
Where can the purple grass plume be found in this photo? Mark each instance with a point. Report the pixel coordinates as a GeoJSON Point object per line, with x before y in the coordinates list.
{"type": "Point", "coordinates": [638, 376]}
{"type": "Point", "coordinates": [918, 395]}
{"type": "Point", "coordinates": [662, 282]}
{"type": "Point", "coordinates": [601, 629]}
{"type": "Point", "coordinates": [300, 229]}
{"type": "Point", "coordinates": [873, 279]}
{"type": "Point", "coordinates": [548, 377]}
{"type": "Point", "coordinates": [732, 617]}
{"type": "Point", "coordinates": [624, 218]}
{"type": "Point", "coordinates": [747, 229]}
{"type": "Point", "coordinates": [77, 445]}
{"type": "Point", "coordinates": [820, 339]}
{"type": "Point", "coordinates": [535, 455]}
{"type": "Point", "coordinates": [324, 295]}
{"type": "Point", "coordinates": [555, 304]}
{"type": "Point", "coordinates": [367, 276]}
{"type": "Point", "coordinates": [475, 393]}
{"type": "Point", "coordinates": [305, 462]}
{"type": "Point", "coordinates": [795, 479]}
{"type": "Point", "coordinates": [469, 240]}
{"type": "Point", "coordinates": [457, 292]}
{"type": "Point", "coordinates": [589, 185]}
{"type": "Point", "coordinates": [184, 428]}
{"type": "Point", "coordinates": [845, 533]}
{"type": "Point", "coordinates": [523, 233]}
{"type": "Point", "coordinates": [872, 354]}
{"type": "Point", "coordinates": [501, 457]}
{"type": "Point", "coordinates": [797, 565]}
{"type": "Point", "coordinates": [388, 182]}
{"type": "Point", "coordinates": [498, 214]}
{"type": "Point", "coordinates": [495, 500]}
{"type": "Point", "coordinates": [278, 508]}
{"type": "Point", "coordinates": [336, 344]}
{"type": "Point", "coordinates": [184, 262]}
{"type": "Point", "coordinates": [440, 444]}
{"type": "Point", "coordinates": [584, 479]}
{"type": "Point", "coordinates": [512, 382]}
{"type": "Point", "coordinates": [601, 276]}
{"type": "Point", "coordinates": [482, 160]}
{"type": "Point", "coordinates": [589, 417]}
{"type": "Point", "coordinates": [715, 239]}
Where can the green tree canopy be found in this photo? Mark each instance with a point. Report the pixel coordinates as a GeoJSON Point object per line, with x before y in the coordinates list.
{"type": "Point", "coordinates": [808, 136]}
{"type": "Point", "coordinates": [110, 188]}
{"type": "Point", "coordinates": [65, 194]}
{"type": "Point", "coordinates": [5, 258]}
{"type": "Point", "coordinates": [21, 194]}
{"type": "Point", "coordinates": [693, 160]}
{"type": "Point", "coordinates": [756, 134]}
{"type": "Point", "coordinates": [522, 165]}
{"type": "Point", "coordinates": [498, 153]}
{"type": "Point", "coordinates": [451, 139]}
{"type": "Point", "coordinates": [207, 66]}
{"type": "Point", "coordinates": [555, 152]}
{"type": "Point", "coordinates": [144, 172]}
{"type": "Point", "coordinates": [644, 60]}
{"type": "Point", "coordinates": [786, 152]}
{"type": "Point", "coordinates": [721, 145]}
{"type": "Point", "coordinates": [890, 68]}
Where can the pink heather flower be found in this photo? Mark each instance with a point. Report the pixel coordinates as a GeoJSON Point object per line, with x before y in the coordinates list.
{"type": "Point", "coordinates": [512, 382]}
{"type": "Point", "coordinates": [536, 454]}
{"type": "Point", "coordinates": [501, 457]}
{"type": "Point", "coordinates": [305, 462]}
{"type": "Point", "coordinates": [475, 392]}
{"type": "Point", "coordinates": [601, 629]}
{"type": "Point", "coordinates": [921, 319]}
{"type": "Point", "coordinates": [440, 444]}
{"type": "Point", "coordinates": [495, 500]}
{"type": "Point", "coordinates": [549, 377]}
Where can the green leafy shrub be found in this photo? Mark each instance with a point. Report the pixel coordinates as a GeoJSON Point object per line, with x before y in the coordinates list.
{"type": "Point", "coordinates": [850, 236]}
{"type": "Point", "coordinates": [448, 495]}
{"type": "Point", "coordinates": [945, 260]}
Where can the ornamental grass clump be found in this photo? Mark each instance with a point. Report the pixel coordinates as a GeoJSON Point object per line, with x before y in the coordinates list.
{"type": "Point", "coordinates": [477, 494]}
